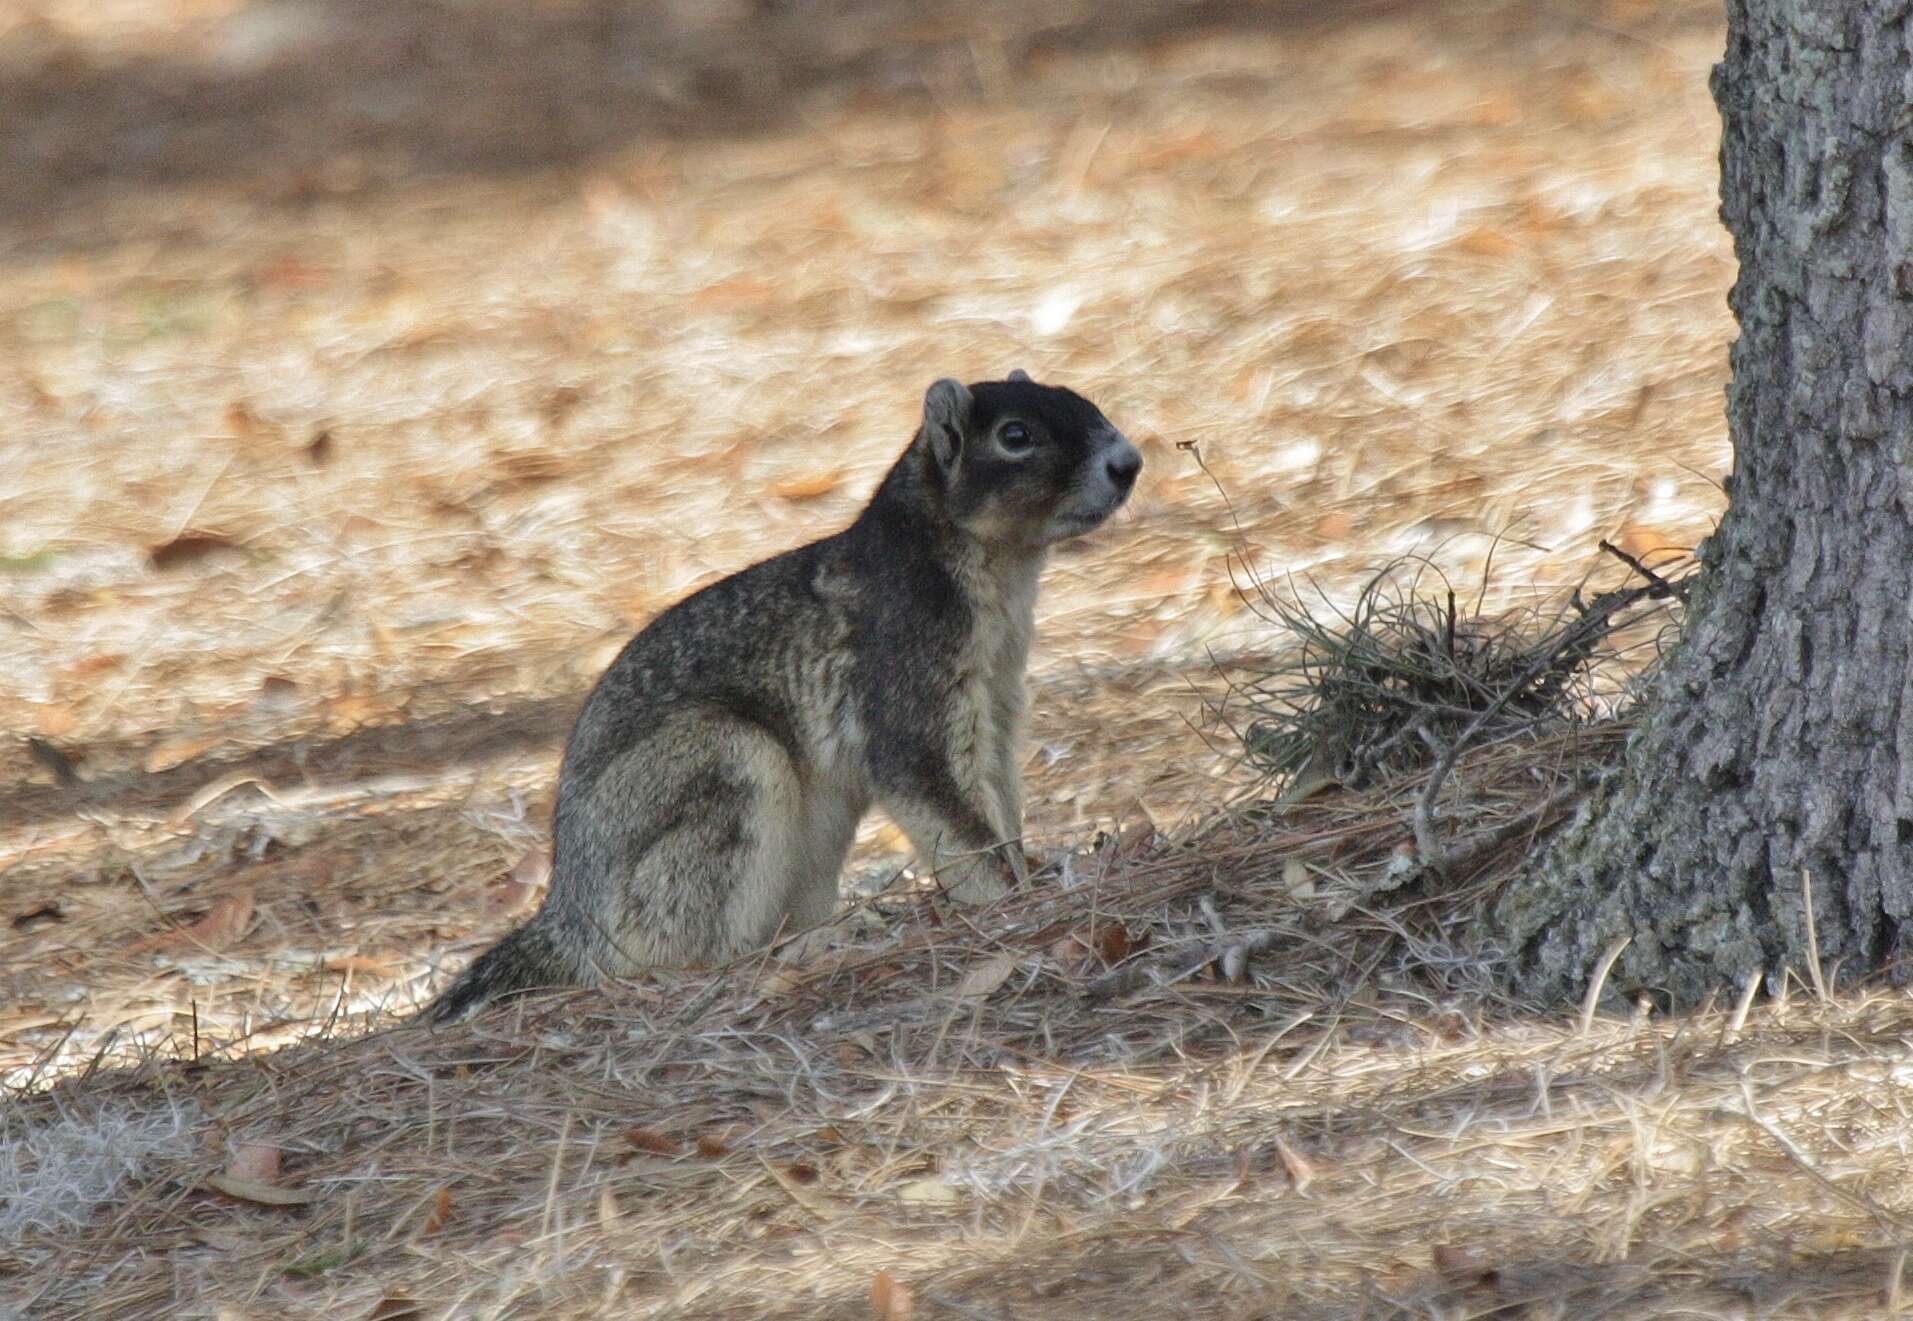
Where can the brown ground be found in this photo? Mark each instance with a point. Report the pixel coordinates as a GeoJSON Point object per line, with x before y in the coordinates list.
{"type": "Point", "coordinates": [369, 371]}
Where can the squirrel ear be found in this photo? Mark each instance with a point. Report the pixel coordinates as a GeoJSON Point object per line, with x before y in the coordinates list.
{"type": "Point", "coordinates": [1020, 375]}
{"type": "Point", "coordinates": [946, 414]}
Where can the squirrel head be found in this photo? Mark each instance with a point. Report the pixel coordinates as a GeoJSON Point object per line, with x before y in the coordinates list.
{"type": "Point", "coordinates": [1023, 465]}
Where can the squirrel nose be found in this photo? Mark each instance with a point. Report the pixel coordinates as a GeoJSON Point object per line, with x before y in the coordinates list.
{"type": "Point", "coordinates": [1123, 466]}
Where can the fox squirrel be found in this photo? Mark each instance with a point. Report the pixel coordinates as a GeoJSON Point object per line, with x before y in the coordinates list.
{"type": "Point", "coordinates": [717, 772]}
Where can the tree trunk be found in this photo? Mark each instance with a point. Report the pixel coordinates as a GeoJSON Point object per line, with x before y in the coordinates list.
{"type": "Point", "coordinates": [1778, 743]}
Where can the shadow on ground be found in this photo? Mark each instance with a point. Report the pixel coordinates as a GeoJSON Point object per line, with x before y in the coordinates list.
{"type": "Point", "coordinates": [297, 100]}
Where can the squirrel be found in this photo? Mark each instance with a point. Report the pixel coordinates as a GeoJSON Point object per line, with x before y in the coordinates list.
{"type": "Point", "coordinates": [716, 774]}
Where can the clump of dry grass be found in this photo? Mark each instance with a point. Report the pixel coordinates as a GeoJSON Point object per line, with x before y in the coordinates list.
{"type": "Point", "coordinates": [57, 1173]}
{"type": "Point", "coordinates": [1404, 678]}
{"type": "Point", "coordinates": [1404, 685]}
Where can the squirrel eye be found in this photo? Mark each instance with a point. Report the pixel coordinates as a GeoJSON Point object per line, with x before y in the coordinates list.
{"type": "Point", "coordinates": [1014, 437]}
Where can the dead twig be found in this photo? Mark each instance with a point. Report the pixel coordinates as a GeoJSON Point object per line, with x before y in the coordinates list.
{"type": "Point", "coordinates": [1166, 970]}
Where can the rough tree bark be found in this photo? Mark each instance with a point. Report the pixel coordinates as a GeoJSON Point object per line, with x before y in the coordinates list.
{"type": "Point", "coordinates": [1779, 741]}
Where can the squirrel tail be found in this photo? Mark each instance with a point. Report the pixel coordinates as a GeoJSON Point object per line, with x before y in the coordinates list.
{"type": "Point", "coordinates": [524, 960]}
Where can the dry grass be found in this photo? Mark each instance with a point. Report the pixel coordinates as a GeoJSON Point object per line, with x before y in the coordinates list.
{"type": "Point", "coordinates": [1408, 676]}
{"type": "Point", "coordinates": [331, 474]}
{"type": "Point", "coordinates": [1065, 1106]}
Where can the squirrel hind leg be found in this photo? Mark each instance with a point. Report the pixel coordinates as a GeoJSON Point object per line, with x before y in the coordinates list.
{"type": "Point", "coordinates": [731, 849]}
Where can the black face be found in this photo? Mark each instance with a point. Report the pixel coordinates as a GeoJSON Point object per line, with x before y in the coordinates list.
{"type": "Point", "coordinates": [1032, 464]}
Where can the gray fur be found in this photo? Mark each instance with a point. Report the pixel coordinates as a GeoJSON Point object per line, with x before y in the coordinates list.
{"type": "Point", "coordinates": [717, 772]}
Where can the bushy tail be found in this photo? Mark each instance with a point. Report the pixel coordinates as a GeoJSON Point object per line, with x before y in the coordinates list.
{"type": "Point", "coordinates": [526, 959]}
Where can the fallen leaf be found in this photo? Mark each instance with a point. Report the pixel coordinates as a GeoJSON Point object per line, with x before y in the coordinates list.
{"type": "Point", "coordinates": [1113, 943]}
{"type": "Point", "coordinates": [43, 398]}
{"type": "Point", "coordinates": [797, 1182]}
{"type": "Point", "coordinates": [34, 917]}
{"type": "Point", "coordinates": [711, 1147]}
{"type": "Point", "coordinates": [522, 885]}
{"type": "Point", "coordinates": [649, 1139]}
{"type": "Point", "coordinates": [1334, 525]}
{"type": "Point", "coordinates": [1297, 879]}
{"type": "Point", "coordinates": [807, 488]}
{"type": "Point", "coordinates": [289, 271]}
{"type": "Point", "coordinates": [223, 924]}
{"type": "Point", "coordinates": [365, 965]}
{"type": "Point", "coordinates": [986, 976]}
{"type": "Point", "coordinates": [890, 1298]}
{"type": "Point", "coordinates": [319, 448]}
{"type": "Point", "coordinates": [1591, 99]}
{"type": "Point", "coordinates": [1137, 836]}
{"type": "Point", "coordinates": [244, 424]}
{"type": "Point", "coordinates": [1650, 545]}
{"type": "Point", "coordinates": [266, 1194]}
{"type": "Point", "coordinates": [394, 1308]}
{"type": "Point", "coordinates": [441, 1213]}
{"type": "Point", "coordinates": [55, 718]}
{"type": "Point", "coordinates": [560, 403]}
{"type": "Point", "coordinates": [1459, 1263]}
{"type": "Point", "coordinates": [1194, 144]}
{"type": "Point", "coordinates": [1495, 111]}
{"type": "Point", "coordinates": [1071, 951]}
{"type": "Point", "coordinates": [350, 711]}
{"type": "Point", "coordinates": [737, 291]}
{"type": "Point", "coordinates": [189, 548]}
{"type": "Point", "coordinates": [530, 467]}
{"type": "Point", "coordinates": [927, 1192]}
{"type": "Point", "coordinates": [1301, 1173]}
{"type": "Point", "coordinates": [1486, 243]}
{"type": "Point", "coordinates": [88, 666]}
{"type": "Point", "coordinates": [254, 1162]}
{"type": "Point", "coordinates": [165, 755]}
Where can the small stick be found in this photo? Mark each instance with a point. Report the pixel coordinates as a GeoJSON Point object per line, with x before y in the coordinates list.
{"type": "Point", "coordinates": [1169, 971]}
{"type": "Point", "coordinates": [1427, 842]}
{"type": "Point", "coordinates": [1738, 1019]}
{"type": "Point", "coordinates": [1813, 942]}
{"type": "Point", "coordinates": [1662, 588]}
{"type": "Point", "coordinates": [551, 1185]}
{"type": "Point", "coordinates": [1601, 970]}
